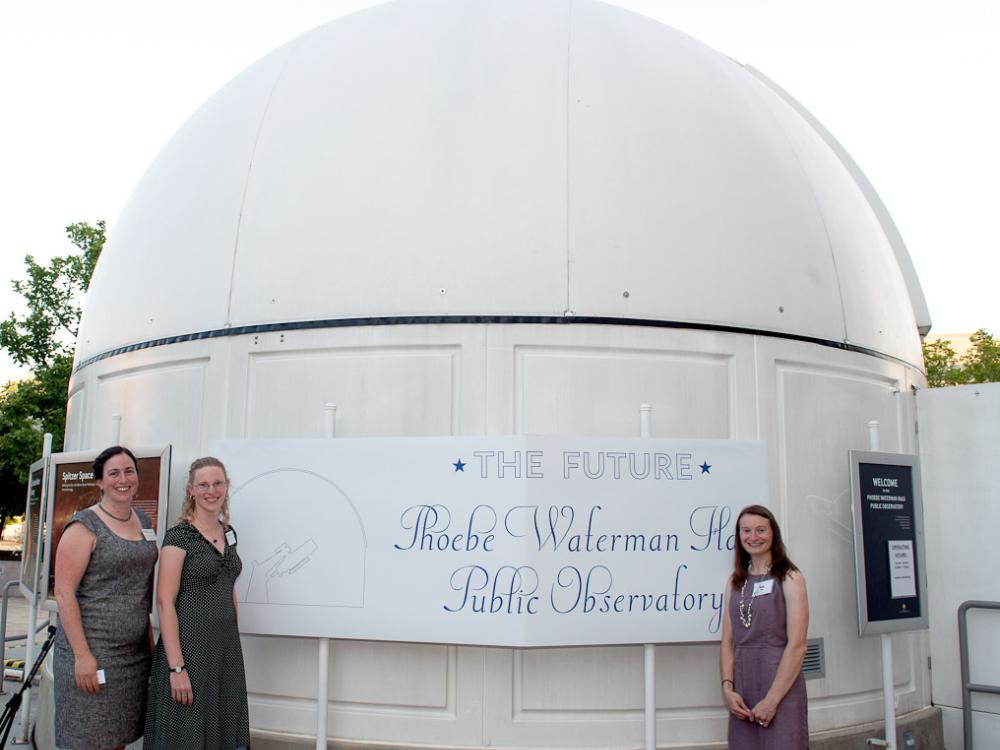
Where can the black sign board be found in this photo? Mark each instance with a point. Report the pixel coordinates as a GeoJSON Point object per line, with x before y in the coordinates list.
{"type": "Point", "coordinates": [888, 542]}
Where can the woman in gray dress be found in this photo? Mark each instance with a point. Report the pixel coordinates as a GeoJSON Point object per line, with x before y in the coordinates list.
{"type": "Point", "coordinates": [764, 640]}
{"type": "Point", "coordinates": [104, 586]}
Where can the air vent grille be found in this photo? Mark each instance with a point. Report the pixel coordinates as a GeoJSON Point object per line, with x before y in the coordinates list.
{"type": "Point", "coordinates": [814, 663]}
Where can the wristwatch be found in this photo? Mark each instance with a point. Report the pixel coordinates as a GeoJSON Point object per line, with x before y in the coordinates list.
{"type": "Point", "coordinates": [179, 668]}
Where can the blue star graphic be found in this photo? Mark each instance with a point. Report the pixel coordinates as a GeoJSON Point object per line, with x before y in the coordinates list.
{"type": "Point", "coordinates": [459, 466]}
{"type": "Point", "coordinates": [705, 467]}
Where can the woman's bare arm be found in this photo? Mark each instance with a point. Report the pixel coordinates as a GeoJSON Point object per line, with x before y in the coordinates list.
{"type": "Point", "coordinates": [797, 624]}
{"type": "Point", "coordinates": [167, 586]}
{"type": "Point", "coordinates": [727, 656]}
{"type": "Point", "coordinates": [72, 557]}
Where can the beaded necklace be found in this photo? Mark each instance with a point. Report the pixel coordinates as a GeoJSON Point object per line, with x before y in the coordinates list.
{"type": "Point", "coordinates": [117, 518]}
{"type": "Point", "coordinates": [746, 617]}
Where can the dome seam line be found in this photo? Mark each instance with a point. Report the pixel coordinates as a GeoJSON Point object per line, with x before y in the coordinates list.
{"type": "Point", "coordinates": [293, 48]}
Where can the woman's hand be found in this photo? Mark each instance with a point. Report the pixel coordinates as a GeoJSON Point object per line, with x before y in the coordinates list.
{"type": "Point", "coordinates": [737, 707]}
{"type": "Point", "coordinates": [85, 668]}
{"type": "Point", "coordinates": [180, 688]}
{"type": "Point", "coordinates": [763, 713]}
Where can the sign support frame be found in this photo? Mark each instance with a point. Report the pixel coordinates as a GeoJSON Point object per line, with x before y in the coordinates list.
{"type": "Point", "coordinates": [904, 529]}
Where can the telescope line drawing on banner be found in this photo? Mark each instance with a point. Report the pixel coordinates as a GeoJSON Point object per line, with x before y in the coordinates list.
{"type": "Point", "coordinates": [298, 570]}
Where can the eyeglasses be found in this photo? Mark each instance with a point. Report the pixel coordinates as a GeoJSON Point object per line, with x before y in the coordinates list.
{"type": "Point", "coordinates": [214, 486]}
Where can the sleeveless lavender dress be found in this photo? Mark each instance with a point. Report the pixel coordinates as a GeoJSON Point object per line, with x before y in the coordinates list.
{"type": "Point", "coordinates": [758, 652]}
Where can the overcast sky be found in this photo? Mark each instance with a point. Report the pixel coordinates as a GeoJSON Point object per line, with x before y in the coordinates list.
{"type": "Point", "coordinates": [90, 90]}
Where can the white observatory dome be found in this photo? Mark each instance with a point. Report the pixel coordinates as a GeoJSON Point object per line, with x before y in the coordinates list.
{"type": "Point", "coordinates": [513, 217]}
{"type": "Point", "coordinates": [524, 161]}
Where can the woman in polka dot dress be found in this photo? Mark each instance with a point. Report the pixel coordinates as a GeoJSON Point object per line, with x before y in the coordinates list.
{"type": "Point", "coordinates": [197, 687]}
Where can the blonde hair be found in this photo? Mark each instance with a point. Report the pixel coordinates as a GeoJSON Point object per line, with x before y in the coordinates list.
{"type": "Point", "coordinates": [187, 508]}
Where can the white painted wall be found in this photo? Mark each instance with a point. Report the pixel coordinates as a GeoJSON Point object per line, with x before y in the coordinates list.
{"type": "Point", "coordinates": [809, 403]}
{"type": "Point", "coordinates": [959, 442]}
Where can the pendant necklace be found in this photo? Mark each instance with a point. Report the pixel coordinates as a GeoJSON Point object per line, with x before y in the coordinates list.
{"type": "Point", "coordinates": [746, 616]}
{"type": "Point", "coordinates": [117, 518]}
{"type": "Point", "coordinates": [214, 541]}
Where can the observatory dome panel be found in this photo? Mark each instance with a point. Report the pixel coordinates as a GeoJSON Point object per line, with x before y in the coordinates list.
{"type": "Point", "coordinates": [166, 267]}
{"type": "Point", "coordinates": [426, 181]}
{"type": "Point", "coordinates": [683, 190]}
{"type": "Point", "coordinates": [869, 277]}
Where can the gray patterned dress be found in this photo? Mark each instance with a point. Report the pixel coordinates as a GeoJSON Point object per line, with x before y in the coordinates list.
{"type": "Point", "coordinates": [114, 595]}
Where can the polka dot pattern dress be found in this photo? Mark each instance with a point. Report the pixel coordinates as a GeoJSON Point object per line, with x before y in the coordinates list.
{"type": "Point", "coordinates": [210, 642]}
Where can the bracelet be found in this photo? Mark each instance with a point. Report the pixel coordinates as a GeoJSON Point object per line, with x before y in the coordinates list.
{"type": "Point", "coordinates": [730, 682]}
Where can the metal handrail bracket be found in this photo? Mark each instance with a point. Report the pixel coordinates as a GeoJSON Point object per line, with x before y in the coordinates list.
{"type": "Point", "coordinates": [963, 650]}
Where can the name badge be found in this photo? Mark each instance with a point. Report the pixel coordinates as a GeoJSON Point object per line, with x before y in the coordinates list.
{"type": "Point", "coordinates": [763, 587]}
{"type": "Point", "coordinates": [231, 538]}
{"type": "Point", "coordinates": [149, 535]}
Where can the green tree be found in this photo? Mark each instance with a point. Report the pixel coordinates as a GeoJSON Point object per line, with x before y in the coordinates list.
{"type": "Point", "coordinates": [941, 364]}
{"type": "Point", "coordinates": [52, 295]}
{"type": "Point", "coordinates": [981, 364]}
{"type": "Point", "coordinates": [42, 340]}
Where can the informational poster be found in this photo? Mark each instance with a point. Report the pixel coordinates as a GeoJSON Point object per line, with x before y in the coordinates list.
{"type": "Point", "coordinates": [902, 570]}
{"type": "Point", "coordinates": [34, 528]}
{"type": "Point", "coordinates": [72, 488]}
{"type": "Point", "coordinates": [515, 541]}
{"type": "Point", "coordinates": [888, 542]}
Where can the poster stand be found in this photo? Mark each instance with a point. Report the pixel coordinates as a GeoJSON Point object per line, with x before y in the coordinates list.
{"type": "Point", "coordinates": [888, 555]}
{"type": "Point", "coordinates": [34, 565]}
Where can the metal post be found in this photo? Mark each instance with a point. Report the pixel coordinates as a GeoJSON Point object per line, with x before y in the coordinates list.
{"type": "Point", "coordinates": [648, 649]}
{"type": "Point", "coordinates": [323, 645]}
{"type": "Point", "coordinates": [3, 627]}
{"type": "Point", "coordinates": [29, 645]}
{"type": "Point", "coordinates": [116, 429]}
{"type": "Point", "coordinates": [888, 687]}
{"type": "Point", "coordinates": [322, 691]}
{"type": "Point", "coordinates": [873, 435]}
{"type": "Point", "coordinates": [330, 420]}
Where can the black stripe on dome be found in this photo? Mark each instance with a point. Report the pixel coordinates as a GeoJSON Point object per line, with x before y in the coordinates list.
{"type": "Point", "coordinates": [402, 320]}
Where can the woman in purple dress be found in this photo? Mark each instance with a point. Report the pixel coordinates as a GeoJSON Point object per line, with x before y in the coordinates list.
{"type": "Point", "coordinates": [764, 640]}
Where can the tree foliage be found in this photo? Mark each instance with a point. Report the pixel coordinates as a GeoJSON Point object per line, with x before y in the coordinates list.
{"type": "Point", "coordinates": [980, 364]}
{"type": "Point", "coordinates": [42, 339]}
{"type": "Point", "coordinates": [52, 295]}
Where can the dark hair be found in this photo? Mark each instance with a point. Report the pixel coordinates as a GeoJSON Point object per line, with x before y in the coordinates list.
{"type": "Point", "coordinates": [107, 453]}
{"type": "Point", "coordinates": [780, 564]}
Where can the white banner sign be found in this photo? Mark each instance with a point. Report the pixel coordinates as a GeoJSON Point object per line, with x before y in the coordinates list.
{"type": "Point", "coordinates": [526, 541]}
